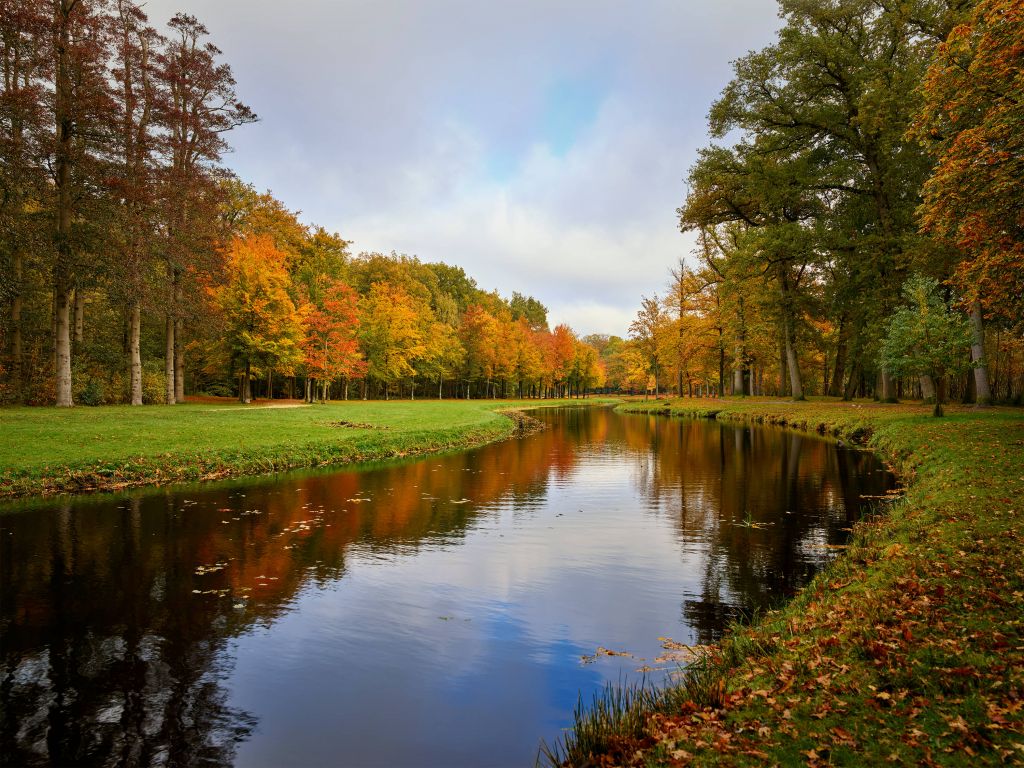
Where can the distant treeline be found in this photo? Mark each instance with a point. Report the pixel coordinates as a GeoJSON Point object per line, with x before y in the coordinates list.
{"type": "Point", "coordinates": [137, 269]}
{"type": "Point", "coordinates": [861, 227]}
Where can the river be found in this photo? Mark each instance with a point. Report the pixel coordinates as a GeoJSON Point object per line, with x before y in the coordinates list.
{"type": "Point", "coordinates": [445, 611]}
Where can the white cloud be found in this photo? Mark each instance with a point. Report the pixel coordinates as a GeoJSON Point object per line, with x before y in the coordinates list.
{"type": "Point", "coordinates": [385, 121]}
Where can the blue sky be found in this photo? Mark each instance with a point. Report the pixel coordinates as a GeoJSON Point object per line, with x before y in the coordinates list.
{"type": "Point", "coordinates": [541, 145]}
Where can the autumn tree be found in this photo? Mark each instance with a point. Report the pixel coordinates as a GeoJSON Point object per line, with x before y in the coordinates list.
{"type": "Point", "coordinates": [391, 333]}
{"type": "Point", "coordinates": [201, 106]}
{"type": "Point", "coordinates": [133, 169]}
{"type": "Point", "coordinates": [442, 357]}
{"type": "Point", "coordinates": [331, 344]}
{"type": "Point", "coordinates": [80, 106]}
{"type": "Point", "coordinates": [263, 326]}
{"type": "Point", "coordinates": [24, 137]}
{"type": "Point", "coordinates": [972, 124]}
{"type": "Point", "coordinates": [647, 331]}
{"type": "Point", "coordinates": [479, 335]}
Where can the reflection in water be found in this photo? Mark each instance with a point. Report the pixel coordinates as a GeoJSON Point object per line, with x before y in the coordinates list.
{"type": "Point", "coordinates": [425, 613]}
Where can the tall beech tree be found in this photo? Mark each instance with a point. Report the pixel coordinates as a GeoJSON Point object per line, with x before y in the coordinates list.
{"type": "Point", "coordinates": [201, 105]}
{"type": "Point", "coordinates": [132, 177]}
{"type": "Point", "coordinates": [24, 137]}
{"type": "Point", "coordinates": [81, 108]}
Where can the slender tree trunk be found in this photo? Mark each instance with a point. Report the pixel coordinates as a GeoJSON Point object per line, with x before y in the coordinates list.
{"type": "Point", "coordinates": [169, 360]}
{"type": "Point", "coordinates": [79, 318]}
{"type": "Point", "coordinates": [835, 388]}
{"type": "Point", "coordinates": [134, 353]}
{"type": "Point", "coordinates": [62, 346]}
{"type": "Point", "coordinates": [270, 383]}
{"type": "Point", "coordinates": [981, 386]}
{"type": "Point", "coordinates": [63, 282]}
{"type": "Point", "coordinates": [179, 361]}
{"type": "Point", "coordinates": [17, 355]}
{"type": "Point", "coordinates": [246, 392]}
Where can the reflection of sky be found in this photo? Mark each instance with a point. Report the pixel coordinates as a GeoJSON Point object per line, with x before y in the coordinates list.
{"type": "Point", "coordinates": [510, 608]}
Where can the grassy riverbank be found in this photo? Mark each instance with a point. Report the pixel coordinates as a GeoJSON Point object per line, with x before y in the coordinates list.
{"type": "Point", "coordinates": [908, 650]}
{"type": "Point", "coordinates": [49, 450]}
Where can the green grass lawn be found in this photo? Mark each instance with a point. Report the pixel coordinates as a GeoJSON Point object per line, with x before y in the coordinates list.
{"type": "Point", "coordinates": [908, 650]}
{"type": "Point", "coordinates": [52, 450]}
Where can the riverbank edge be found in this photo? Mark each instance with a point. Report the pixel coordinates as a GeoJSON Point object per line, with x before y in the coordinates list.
{"type": "Point", "coordinates": [222, 464]}
{"type": "Point", "coordinates": [907, 649]}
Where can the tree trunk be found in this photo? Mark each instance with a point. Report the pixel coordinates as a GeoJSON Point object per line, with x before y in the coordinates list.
{"type": "Point", "coordinates": [64, 124]}
{"type": "Point", "coordinates": [134, 354]}
{"type": "Point", "coordinates": [79, 318]}
{"type": "Point", "coordinates": [17, 359]}
{"type": "Point", "coordinates": [169, 361]}
{"type": "Point", "coordinates": [721, 362]}
{"type": "Point", "coordinates": [835, 387]}
{"type": "Point", "coordinates": [940, 395]}
{"type": "Point", "coordinates": [179, 361]}
{"type": "Point", "coordinates": [245, 394]}
{"type": "Point", "coordinates": [981, 386]}
{"type": "Point", "coordinates": [795, 384]}
{"type": "Point", "coordinates": [737, 373]}
{"type": "Point", "coordinates": [927, 389]}
{"type": "Point", "coordinates": [270, 383]}
{"type": "Point", "coordinates": [62, 346]}
{"type": "Point", "coordinates": [888, 393]}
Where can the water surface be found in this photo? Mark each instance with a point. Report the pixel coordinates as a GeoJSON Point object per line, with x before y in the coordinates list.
{"type": "Point", "coordinates": [441, 612]}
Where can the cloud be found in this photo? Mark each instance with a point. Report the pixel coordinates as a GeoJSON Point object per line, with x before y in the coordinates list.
{"type": "Point", "coordinates": [540, 145]}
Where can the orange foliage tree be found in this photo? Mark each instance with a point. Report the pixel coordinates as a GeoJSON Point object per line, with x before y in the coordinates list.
{"type": "Point", "coordinates": [392, 333]}
{"type": "Point", "coordinates": [331, 344]}
{"type": "Point", "coordinates": [972, 122]}
{"type": "Point", "coordinates": [263, 327]}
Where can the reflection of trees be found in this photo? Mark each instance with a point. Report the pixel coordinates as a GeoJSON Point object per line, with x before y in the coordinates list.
{"type": "Point", "coordinates": [109, 656]}
{"type": "Point", "coordinates": [732, 487]}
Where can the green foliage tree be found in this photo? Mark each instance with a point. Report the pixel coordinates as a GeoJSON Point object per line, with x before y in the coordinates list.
{"type": "Point", "coordinates": [926, 338]}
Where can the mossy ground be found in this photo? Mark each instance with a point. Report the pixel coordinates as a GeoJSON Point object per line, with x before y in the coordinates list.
{"type": "Point", "coordinates": [908, 650]}
{"type": "Point", "coordinates": [50, 450]}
